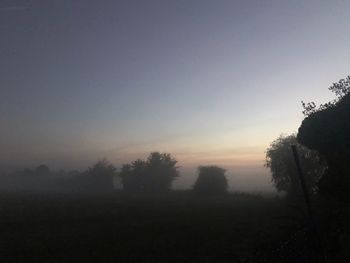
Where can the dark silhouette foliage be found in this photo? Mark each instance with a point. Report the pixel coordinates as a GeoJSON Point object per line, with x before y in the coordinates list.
{"type": "Point", "coordinates": [279, 158]}
{"type": "Point", "coordinates": [42, 170]}
{"type": "Point", "coordinates": [328, 132]}
{"type": "Point", "coordinates": [28, 179]}
{"type": "Point", "coordinates": [340, 89]}
{"type": "Point", "coordinates": [153, 175]}
{"type": "Point", "coordinates": [99, 177]}
{"type": "Point", "coordinates": [211, 180]}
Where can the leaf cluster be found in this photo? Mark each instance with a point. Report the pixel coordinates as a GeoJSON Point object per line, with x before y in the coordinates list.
{"type": "Point", "coordinates": [340, 89]}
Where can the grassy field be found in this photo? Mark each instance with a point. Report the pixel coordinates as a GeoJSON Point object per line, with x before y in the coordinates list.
{"type": "Point", "coordinates": [177, 227]}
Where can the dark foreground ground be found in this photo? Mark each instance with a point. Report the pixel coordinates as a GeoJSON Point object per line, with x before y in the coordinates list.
{"type": "Point", "coordinates": [177, 227]}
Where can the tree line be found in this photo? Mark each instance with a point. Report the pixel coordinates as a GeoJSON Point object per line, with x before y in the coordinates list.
{"type": "Point", "coordinates": [323, 141]}
{"type": "Point", "coordinates": [153, 175]}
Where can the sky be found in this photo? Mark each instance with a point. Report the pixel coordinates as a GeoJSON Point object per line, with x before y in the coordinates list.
{"type": "Point", "coordinates": [210, 81]}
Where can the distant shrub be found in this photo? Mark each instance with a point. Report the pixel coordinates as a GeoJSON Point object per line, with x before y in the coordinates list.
{"type": "Point", "coordinates": [42, 170]}
{"type": "Point", "coordinates": [211, 180]}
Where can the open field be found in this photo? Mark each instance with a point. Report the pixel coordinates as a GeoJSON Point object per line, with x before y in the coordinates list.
{"type": "Point", "coordinates": [171, 228]}
{"type": "Point", "coordinates": [177, 227]}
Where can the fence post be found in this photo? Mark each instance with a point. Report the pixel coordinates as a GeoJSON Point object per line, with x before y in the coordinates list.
{"type": "Point", "coordinates": [316, 234]}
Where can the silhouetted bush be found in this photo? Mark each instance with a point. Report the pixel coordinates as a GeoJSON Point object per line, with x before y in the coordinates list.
{"type": "Point", "coordinates": [328, 132]}
{"type": "Point", "coordinates": [211, 180]}
{"type": "Point", "coordinates": [42, 170]}
{"type": "Point", "coordinates": [153, 175]}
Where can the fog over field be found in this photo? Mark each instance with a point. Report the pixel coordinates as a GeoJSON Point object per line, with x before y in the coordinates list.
{"type": "Point", "coordinates": [240, 179]}
{"type": "Point", "coordinates": [175, 131]}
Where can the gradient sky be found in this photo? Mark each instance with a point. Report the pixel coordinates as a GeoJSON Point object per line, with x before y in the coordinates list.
{"type": "Point", "coordinates": [210, 81]}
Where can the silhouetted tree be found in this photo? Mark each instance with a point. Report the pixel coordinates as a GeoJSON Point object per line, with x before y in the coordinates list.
{"type": "Point", "coordinates": [161, 170]}
{"type": "Point", "coordinates": [327, 130]}
{"type": "Point", "coordinates": [211, 180]}
{"type": "Point", "coordinates": [153, 175]}
{"type": "Point", "coordinates": [340, 89]}
{"type": "Point", "coordinates": [42, 170]}
{"type": "Point", "coordinates": [132, 176]}
{"type": "Point", "coordinates": [99, 177]}
{"type": "Point", "coordinates": [280, 160]}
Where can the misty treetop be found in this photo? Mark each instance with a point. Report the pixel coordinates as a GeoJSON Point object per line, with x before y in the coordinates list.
{"type": "Point", "coordinates": [211, 180]}
{"type": "Point", "coordinates": [100, 176]}
{"type": "Point", "coordinates": [155, 174]}
{"type": "Point", "coordinates": [42, 170]}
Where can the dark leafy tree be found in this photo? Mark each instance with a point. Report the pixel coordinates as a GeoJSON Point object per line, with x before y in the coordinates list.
{"type": "Point", "coordinates": [161, 170]}
{"type": "Point", "coordinates": [211, 180]}
{"type": "Point", "coordinates": [280, 160]}
{"type": "Point", "coordinates": [132, 176]}
{"type": "Point", "coordinates": [156, 174]}
{"type": "Point", "coordinates": [99, 177]}
{"type": "Point", "coordinates": [327, 130]}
